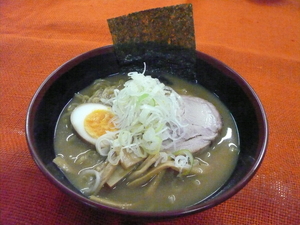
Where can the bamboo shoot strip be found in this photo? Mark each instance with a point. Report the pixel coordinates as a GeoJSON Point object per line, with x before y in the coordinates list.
{"type": "Point", "coordinates": [154, 184]}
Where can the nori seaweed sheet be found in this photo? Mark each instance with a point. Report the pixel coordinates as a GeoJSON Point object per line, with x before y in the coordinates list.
{"type": "Point", "coordinates": [163, 38]}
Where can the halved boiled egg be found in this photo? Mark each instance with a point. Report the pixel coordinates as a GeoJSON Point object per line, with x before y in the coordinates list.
{"type": "Point", "coordinates": [92, 120]}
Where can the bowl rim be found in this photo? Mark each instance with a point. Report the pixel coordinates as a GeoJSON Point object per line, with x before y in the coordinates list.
{"type": "Point", "coordinates": [50, 79]}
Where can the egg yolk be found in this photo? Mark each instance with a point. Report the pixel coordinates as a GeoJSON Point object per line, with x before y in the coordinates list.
{"type": "Point", "coordinates": [98, 122]}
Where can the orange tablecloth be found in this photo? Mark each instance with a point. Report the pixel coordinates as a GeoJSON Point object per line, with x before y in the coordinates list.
{"type": "Point", "coordinates": [260, 39]}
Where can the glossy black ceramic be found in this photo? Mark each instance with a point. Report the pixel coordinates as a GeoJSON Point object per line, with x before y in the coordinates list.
{"type": "Point", "coordinates": [76, 74]}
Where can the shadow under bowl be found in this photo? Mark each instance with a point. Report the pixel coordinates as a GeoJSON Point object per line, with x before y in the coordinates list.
{"type": "Point", "coordinates": [76, 74]}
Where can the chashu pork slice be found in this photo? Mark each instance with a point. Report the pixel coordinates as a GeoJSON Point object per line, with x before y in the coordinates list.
{"type": "Point", "coordinates": [203, 125]}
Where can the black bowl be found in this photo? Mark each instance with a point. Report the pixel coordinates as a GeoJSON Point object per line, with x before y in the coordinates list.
{"type": "Point", "coordinates": [81, 71]}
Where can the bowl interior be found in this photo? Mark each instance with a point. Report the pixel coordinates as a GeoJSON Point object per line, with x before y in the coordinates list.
{"type": "Point", "coordinates": [81, 71]}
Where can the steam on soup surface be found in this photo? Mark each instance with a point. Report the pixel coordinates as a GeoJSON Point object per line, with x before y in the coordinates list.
{"type": "Point", "coordinates": [159, 173]}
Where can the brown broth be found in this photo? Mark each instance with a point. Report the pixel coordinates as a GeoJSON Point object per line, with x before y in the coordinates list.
{"type": "Point", "coordinates": [173, 192]}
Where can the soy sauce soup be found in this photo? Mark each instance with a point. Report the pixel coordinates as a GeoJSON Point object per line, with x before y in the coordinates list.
{"type": "Point", "coordinates": [173, 191]}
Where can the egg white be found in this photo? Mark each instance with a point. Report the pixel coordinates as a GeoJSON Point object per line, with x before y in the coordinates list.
{"type": "Point", "coordinates": [80, 113]}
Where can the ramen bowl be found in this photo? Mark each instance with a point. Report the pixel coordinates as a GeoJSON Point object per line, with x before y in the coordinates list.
{"type": "Point", "coordinates": [76, 74]}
